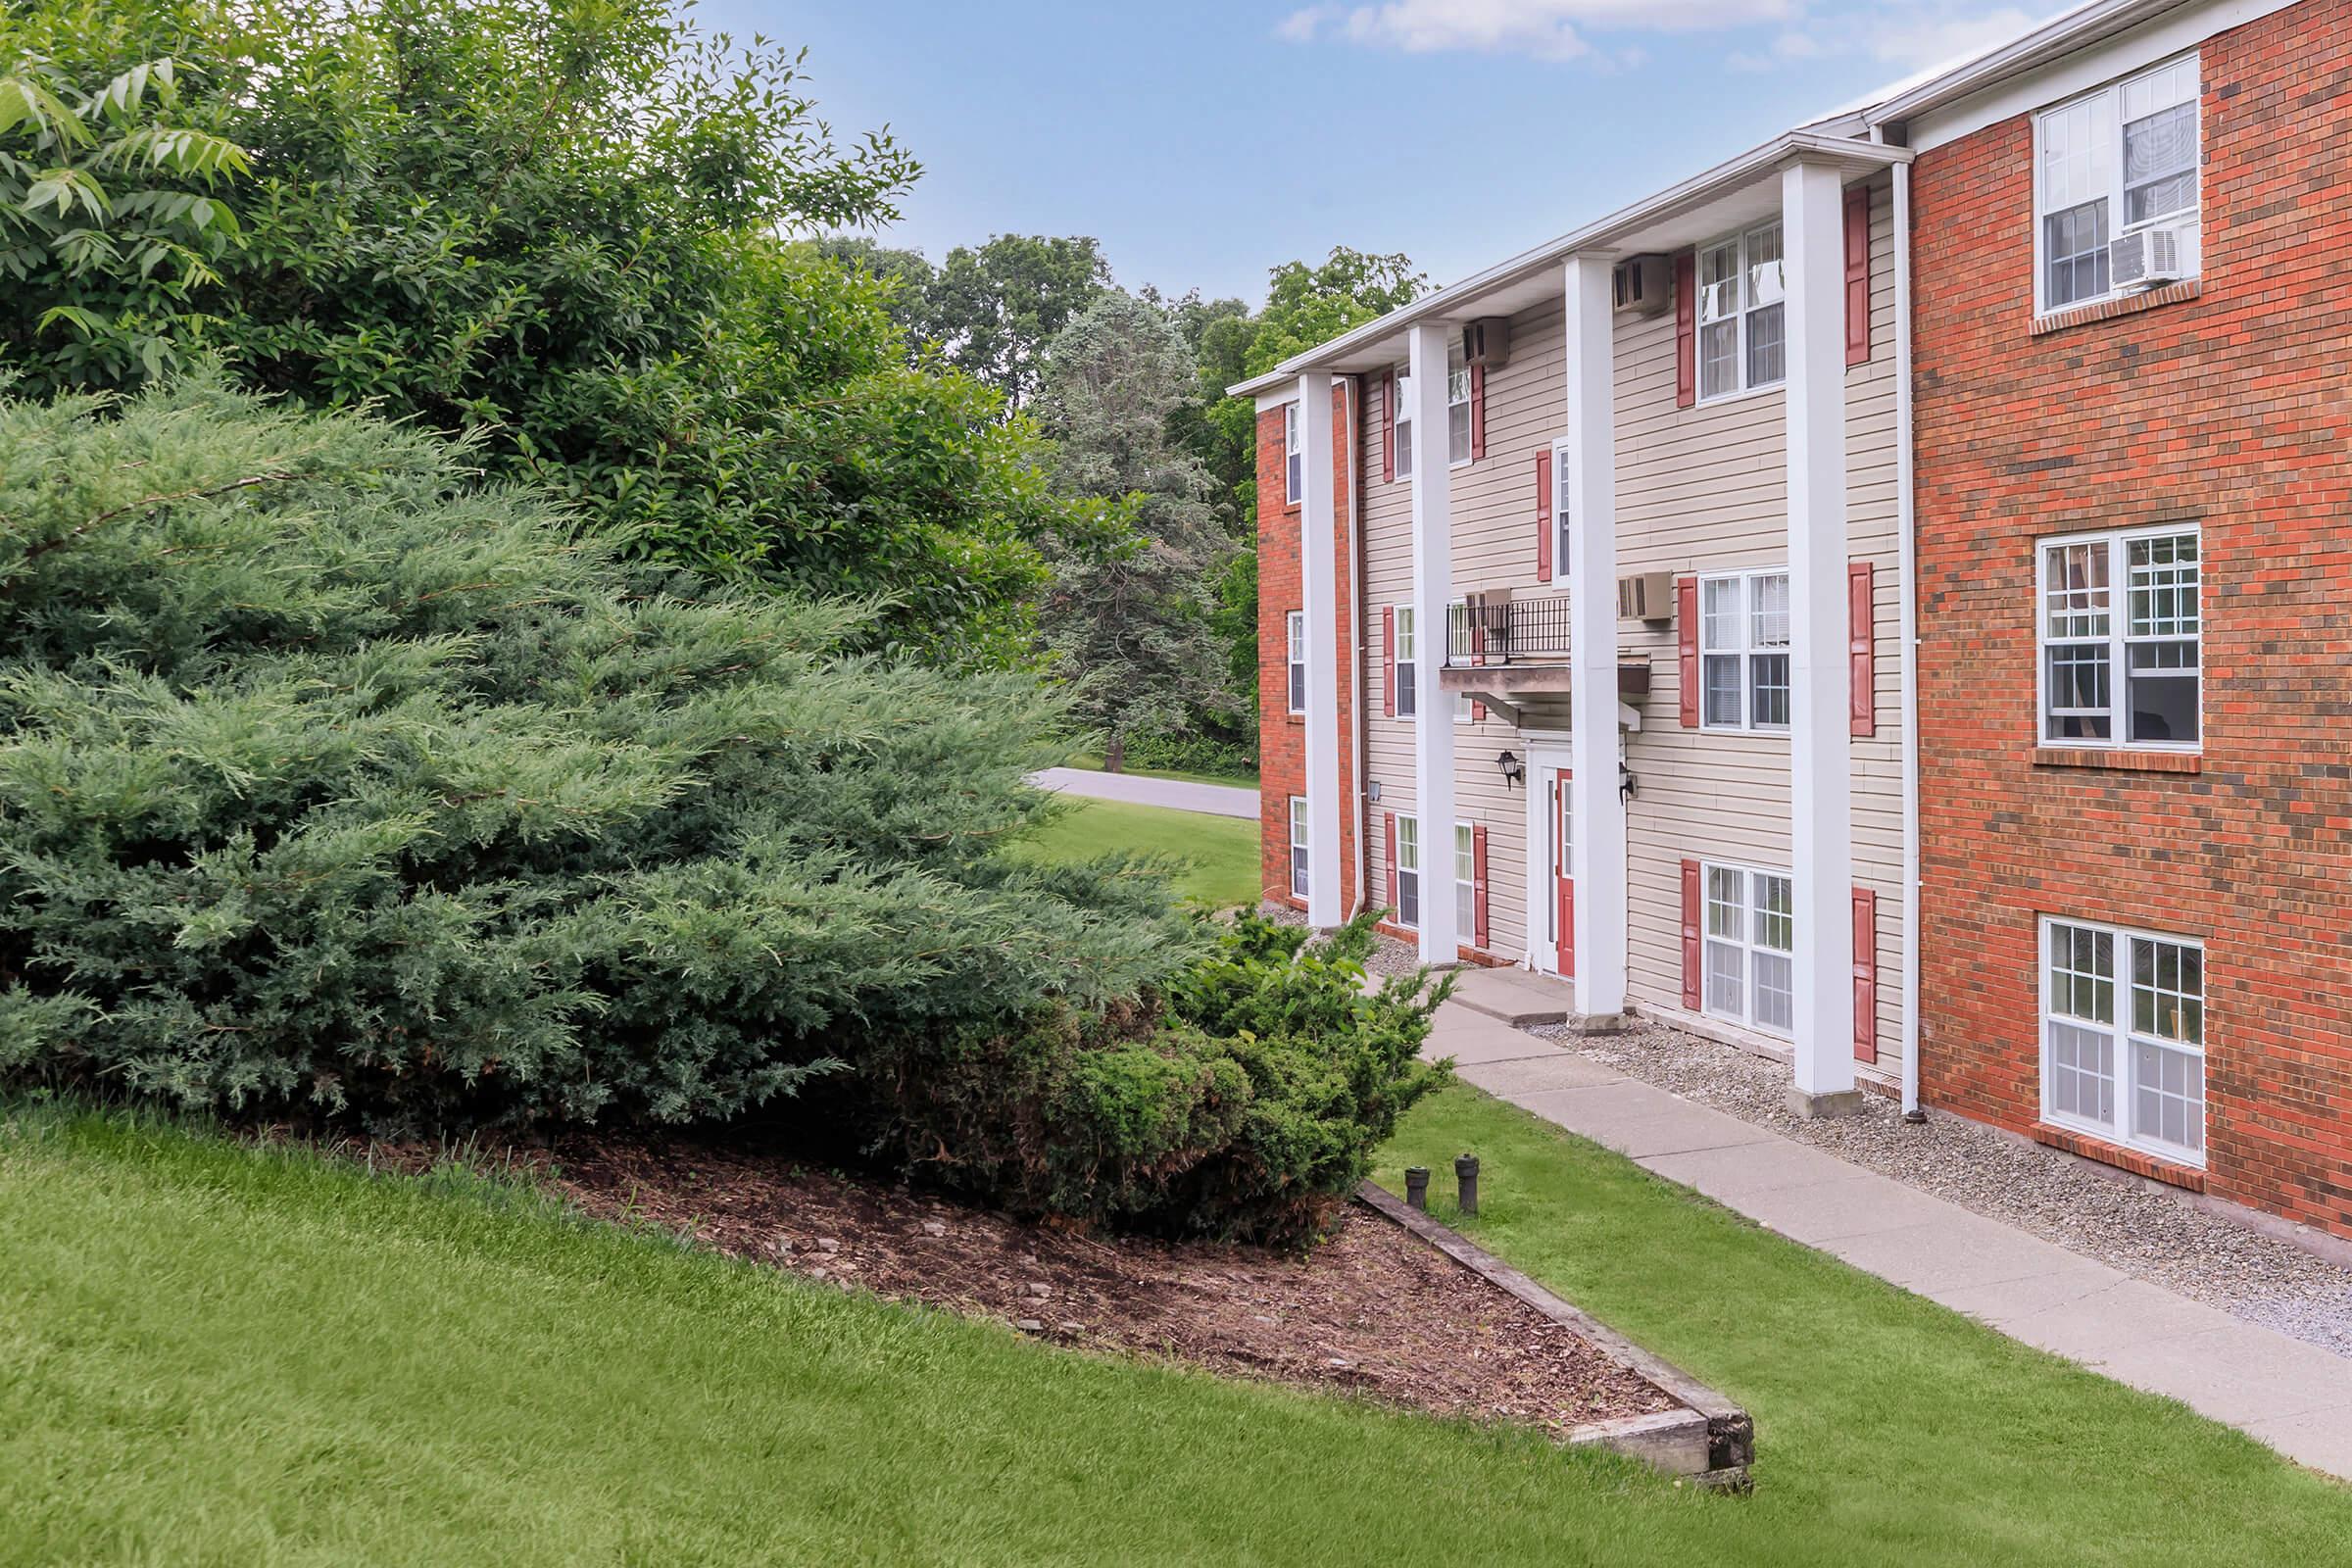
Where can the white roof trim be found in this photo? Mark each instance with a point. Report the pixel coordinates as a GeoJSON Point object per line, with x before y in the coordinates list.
{"type": "Point", "coordinates": [1858, 156]}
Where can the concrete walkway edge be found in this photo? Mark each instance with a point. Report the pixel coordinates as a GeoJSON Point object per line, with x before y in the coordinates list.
{"type": "Point", "coordinates": [1176, 794]}
{"type": "Point", "coordinates": [2294, 1397]}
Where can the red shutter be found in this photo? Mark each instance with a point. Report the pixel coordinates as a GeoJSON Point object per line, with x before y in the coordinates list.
{"type": "Point", "coordinates": [1387, 660]}
{"type": "Point", "coordinates": [1866, 975]}
{"type": "Point", "coordinates": [1685, 631]}
{"type": "Point", "coordinates": [1685, 329]}
{"type": "Point", "coordinates": [1543, 530]}
{"type": "Point", "coordinates": [1857, 275]}
{"type": "Point", "coordinates": [1861, 703]}
{"type": "Point", "coordinates": [1388, 428]}
{"type": "Point", "coordinates": [1392, 816]}
{"type": "Point", "coordinates": [1478, 411]}
{"type": "Point", "coordinates": [1478, 886]}
{"type": "Point", "coordinates": [1691, 942]}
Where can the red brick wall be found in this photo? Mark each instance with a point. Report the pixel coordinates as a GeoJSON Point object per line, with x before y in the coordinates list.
{"type": "Point", "coordinates": [1282, 735]}
{"type": "Point", "coordinates": [2230, 407]}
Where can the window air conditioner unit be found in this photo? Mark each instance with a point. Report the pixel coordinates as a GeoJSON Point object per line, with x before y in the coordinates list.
{"type": "Point", "coordinates": [1488, 341]}
{"type": "Point", "coordinates": [1643, 285]}
{"type": "Point", "coordinates": [1646, 596]}
{"type": "Point", "coordinates": [2147, 257]}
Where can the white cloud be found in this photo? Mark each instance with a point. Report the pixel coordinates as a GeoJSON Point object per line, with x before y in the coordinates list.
{"type": "Point", "coordinates": [1551, 28]}
{"type": "Point", "coordinates": [1944, 33]}
{"type": "Point", "coordinates": [1902, 32]}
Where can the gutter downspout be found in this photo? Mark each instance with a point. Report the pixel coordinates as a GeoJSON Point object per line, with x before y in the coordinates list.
{"type": "Point", "coordinates": [1906, 533]}
{"type": "Point", "coordinates": [1355, 386]}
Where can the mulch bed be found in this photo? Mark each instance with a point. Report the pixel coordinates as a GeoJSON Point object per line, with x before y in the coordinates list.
{"type": "Point", "coordinates": [1372, 1313]}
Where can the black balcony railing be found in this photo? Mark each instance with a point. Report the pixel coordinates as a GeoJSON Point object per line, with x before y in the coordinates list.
{"type": "Point", "coordinates": [1517, 632]}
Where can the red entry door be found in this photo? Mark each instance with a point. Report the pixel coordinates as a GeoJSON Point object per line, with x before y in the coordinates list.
{"type": "Point", "coordinates": [1563, 875]}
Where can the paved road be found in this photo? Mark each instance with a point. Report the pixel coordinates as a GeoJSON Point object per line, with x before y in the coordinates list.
{"type": "Point", "coordinates": [1217, 799]}
{"type": "Point", "coordinates": [2292, 1396]}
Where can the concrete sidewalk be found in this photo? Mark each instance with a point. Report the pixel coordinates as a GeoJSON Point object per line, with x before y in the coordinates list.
{"type": "Point", "coordinates": [2294, 1397]}
{"type": "Point", "coordinates": [1181, 795]}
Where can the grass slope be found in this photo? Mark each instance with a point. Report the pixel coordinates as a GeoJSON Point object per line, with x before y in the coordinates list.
{"type": "Point", "coordinates": [212, 1354]}
{"type": "Point", "coordinates": [1221, 852]}
{"type": "Point", "coordinates": [1888, 1429]}
{"type": "Point", "coordinates": [1238, 779]}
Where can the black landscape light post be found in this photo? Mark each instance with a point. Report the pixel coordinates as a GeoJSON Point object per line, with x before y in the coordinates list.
{"type": "Point", "coordinates": [1465, 1172]}
{"type": "Point", "coordinates": [1416, 1186]}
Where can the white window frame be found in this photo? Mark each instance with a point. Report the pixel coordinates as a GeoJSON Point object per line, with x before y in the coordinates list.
{"type": "Point", "coordinates": [1465, 882]}
{"type": "Point", "coordinates": [1295, 694]}
{"type": "Point", "coordinates": [1748, 651]}
{"type": "Point", "coordinates": [1746, 944]}
{"type": "Point", "coordinates": [1294, 462]}
{"type": "Point", "coordinates": [1401, 422]}
{"type": "Point", "coordinates": [1299, 846]}
{"type": "Point", "coordinates": [1560, 516]}
{"type": "Point", "coordinates": [2125, 1033]}
{"type": "Point", "coordinates": [1457, 396]}
{"type": "Point", "coordinates": [2120, 637]}
{"type": "Point", "coordinates": [2103, 109]}
{"type": "Point", "coordinates": [1740, 307]}
{"type": "Point", "coordinates": [1408, 864]}
{"type": "Point", "coordinates": [1404, 669]}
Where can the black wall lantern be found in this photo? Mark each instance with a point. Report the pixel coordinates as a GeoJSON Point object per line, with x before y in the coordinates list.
{"type": "Point", "coordinates": [1515, 772]}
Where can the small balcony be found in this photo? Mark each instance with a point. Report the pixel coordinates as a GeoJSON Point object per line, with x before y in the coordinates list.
{"type": "Point", "coordinates": [1519, 652]}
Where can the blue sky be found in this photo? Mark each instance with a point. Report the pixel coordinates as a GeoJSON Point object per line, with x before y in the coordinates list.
{"type": "Point", "coordinates": [1205, 142]}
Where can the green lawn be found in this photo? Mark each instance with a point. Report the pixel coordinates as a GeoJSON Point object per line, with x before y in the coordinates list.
{"type": "Point", "coordinates": [1222, 851]}
{"type": "Point", "coordinates": [212, 1354]}
{"type": "Point", "coordinates": [1888, 1430]}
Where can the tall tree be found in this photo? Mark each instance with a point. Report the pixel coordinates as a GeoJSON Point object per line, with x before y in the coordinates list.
{"type": "Point", "coordinates": [993, 310]}
{"type": "Point", "coordinates": [1132, 625]}
{"type": "Point", "coordinates": [553, 225]}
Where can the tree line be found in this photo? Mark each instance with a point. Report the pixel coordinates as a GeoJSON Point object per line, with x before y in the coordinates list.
{"type": "Point", "coordinates": [622, 259]}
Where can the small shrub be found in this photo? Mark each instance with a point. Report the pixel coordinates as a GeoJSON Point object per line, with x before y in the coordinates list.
{"type": "Point", "coordinates": [1243, 1106]}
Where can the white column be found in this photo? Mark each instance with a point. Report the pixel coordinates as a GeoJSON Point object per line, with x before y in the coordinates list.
{"type": "Point", "coordinates": [1819, 744]}
{"type": "Point", "coordinates": [1319, 579]}
{"type": "Point", "coordinates": [1433, 591]}
{"type": "Point", "coordinates": [1588, 502]}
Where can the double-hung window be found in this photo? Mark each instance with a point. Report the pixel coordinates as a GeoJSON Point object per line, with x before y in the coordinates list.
{"type": "Point", "coordinates": [2125, 674]}
{"type": "Point", "coordinates": [1408, 871]}
{"type": "Point", "coordinates": [1296, 622]}
{"type": "Point", "coordinates": [1406, 671]}
{"type": "Point", "coordinates": [1743, 650]}
{"type": "Point", "coordinates": [1465, 882]}
{"type": "Point", "coordinates": [1750, 941]}
{"type": "Point", "coordinates": [1457, 408]}
{"type": "Point", "coordinates": [1297, 847]}
{"type": "Point", "coordinates": [2112, 163]}
{"type": "Point", "coordinates": [1458, 653]}
{"type": "Point", "coordinates": [1743, 313]}
{"type": "Point", "coordinates": [1400, 420]}
{"type": "Point", "coordinates": [1293, 463]}
{"type": "Point", "coordinates": [2122, 1037]}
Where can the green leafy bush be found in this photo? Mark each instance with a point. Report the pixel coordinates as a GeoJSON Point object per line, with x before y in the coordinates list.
{"type": "Point", "coordinates": [332, 781]}
{"type": "Point", "coordinates": [555, 226]}
{"type": "Point", "coordinates": [1244, 1105]}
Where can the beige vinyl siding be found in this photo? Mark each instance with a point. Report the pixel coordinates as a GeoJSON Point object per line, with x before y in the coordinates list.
{"type": "Point", "coordinates": [1495, 546]}
{"type": "Point", "coordinates": [1700, 489]}
{"type": "Point", "coordinates": [1387, 581]}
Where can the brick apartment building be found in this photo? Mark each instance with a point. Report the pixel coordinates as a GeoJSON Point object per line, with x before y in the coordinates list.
{"type": "Point", "coordinates": [1959, 711]}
